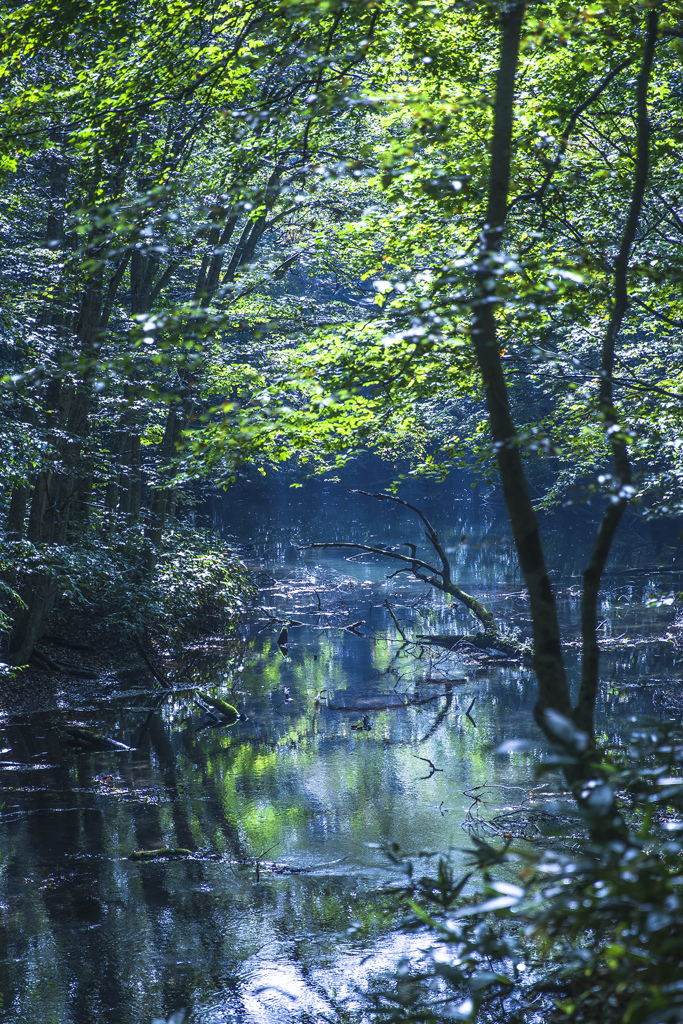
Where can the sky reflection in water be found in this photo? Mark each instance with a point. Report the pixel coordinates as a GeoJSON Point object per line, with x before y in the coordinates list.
{"type": "Point", "coordinates": [232, 933]}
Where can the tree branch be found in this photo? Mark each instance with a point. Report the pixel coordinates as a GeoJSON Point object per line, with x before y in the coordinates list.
{"type": "Point", "coordinates": [585, 708]}
{"type": "Point", "coordinates": [440, 579]}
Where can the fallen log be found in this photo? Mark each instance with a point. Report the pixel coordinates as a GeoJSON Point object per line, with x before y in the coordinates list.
{"type": "Point", "coordinates": [156, 672]}
{"type": "Point", "coordinates": [93, 741]}
{"type": "Point", "coordinates": [165, 853]}
{"type": "Point", "coordinates": [62, 667]}
{"type": "Point", "coordinates": [221, 707]}
{"type": "Point", "coordinates": [382, 704]}
{"type": "Point", "coordinates": [482, 641]}
{"type": "Point", "coordinates": [440, 578]}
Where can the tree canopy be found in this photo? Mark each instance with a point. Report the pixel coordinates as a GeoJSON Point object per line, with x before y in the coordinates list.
{"type": "Point", "coordinates": [289, 232]}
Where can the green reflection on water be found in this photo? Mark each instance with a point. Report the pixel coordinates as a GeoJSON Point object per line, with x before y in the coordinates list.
{"type": "Point", "coordinates": [89, 935]}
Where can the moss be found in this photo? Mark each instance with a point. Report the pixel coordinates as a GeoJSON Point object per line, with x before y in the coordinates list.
{"type": "Point", "coordinates": [165, 853]}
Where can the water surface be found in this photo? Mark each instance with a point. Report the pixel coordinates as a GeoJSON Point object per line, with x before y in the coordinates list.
{"type": "Point", "coordinates": [353, 741]}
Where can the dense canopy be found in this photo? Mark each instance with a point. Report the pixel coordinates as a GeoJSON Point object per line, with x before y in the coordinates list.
{"type": "Point", "coordinates": [281, 235]}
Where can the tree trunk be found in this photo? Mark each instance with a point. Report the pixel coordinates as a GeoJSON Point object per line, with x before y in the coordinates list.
{"type": "Point", "coordinates": [55, 492]}
{"type": "Point", "coordinates": [590, 662]}
{"type": "Point", "coordinates": [16, 514]}
{"type": "Point", "coordinates": [124, 477]}
{"type": "Point", "coordinates": [553, 689]}
{"type": "Point", "coordinates": [160, 494]}
{"type": "Point", "coordinates": [134, 478]}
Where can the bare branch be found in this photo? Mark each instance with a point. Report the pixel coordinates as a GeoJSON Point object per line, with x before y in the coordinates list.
{"type": "Point", "coordinates": [396, 622]}
{"type": "Point", "coordinates": [372, 550]}
{"type": "Point", "coordinates": [431, 533]}
{"type": "Point", "coordinates": [440, 578]}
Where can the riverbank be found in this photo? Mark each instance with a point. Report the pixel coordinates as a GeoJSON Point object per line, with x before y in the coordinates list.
{"type": "Point", "coordinates": [107, 606]}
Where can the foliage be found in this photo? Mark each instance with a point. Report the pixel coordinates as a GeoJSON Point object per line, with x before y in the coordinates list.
{"type": "Point", "coordinates": [424, 167]}
{"type": "Point", "coordinates": [585, 930]}
{"type": "Point", "coordinates": [198, 582]}
{"type": "Point", "coordinates": [154, 195]}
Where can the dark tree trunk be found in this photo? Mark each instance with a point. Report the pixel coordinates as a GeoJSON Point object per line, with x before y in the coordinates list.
{"type": "Point", "coordinates": [134, 478]}
{"type": "Point", "coordinates": [553, 690]}
{"type": "Point", "coordinates": [16, 514]}
{"type": "Point", "coordinates": [590, 664]}
{"type": "Point", "coordinates": [161, 495]}
{"type": "Point", "coordinates": [55, 493]}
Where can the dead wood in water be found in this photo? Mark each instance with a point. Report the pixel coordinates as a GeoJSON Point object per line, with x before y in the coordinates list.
{"type": "Point", "coordinates": [441, 579]}
{"type": "Point", "coordinates": [482, 641]}
{"type": "Point", "coordinates": [167, 853]}
{"type": "Point", "coordinates": [226, 711]}
{"type": "Point", "coordinates": [64, 668]}
{"type": "Point", "coordinates": [382, 704]}
{"type": "Point", "coordinates": [156, 672]}
{"type": "Point", "coordinates": [88, 740]}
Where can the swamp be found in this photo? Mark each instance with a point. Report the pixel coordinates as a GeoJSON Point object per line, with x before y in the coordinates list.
{"type": "Point", "coordinates": [341, 511]}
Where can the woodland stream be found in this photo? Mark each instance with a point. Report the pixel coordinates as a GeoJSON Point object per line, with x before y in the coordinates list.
{"type": "Point", "coordinates": [278, 912]}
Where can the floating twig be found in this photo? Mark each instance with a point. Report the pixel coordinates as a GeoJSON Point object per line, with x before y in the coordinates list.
{"type": "Point", "coordinates": [353, 627]}
{"type": "Point", "coordinates": [431, 764]}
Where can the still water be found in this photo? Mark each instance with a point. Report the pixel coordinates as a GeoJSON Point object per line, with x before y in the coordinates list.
{"type": "Point", "coordinates": [353, 741]}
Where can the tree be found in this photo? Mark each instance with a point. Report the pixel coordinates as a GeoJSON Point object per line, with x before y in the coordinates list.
{"type": "Point", "coordinates": [518, 237]}
{"type": "Point", "coordinates": [149, 175]}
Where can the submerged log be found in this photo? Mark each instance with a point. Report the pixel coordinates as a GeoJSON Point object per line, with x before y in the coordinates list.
{"type": "Point", "coordinates": [382, 702]}
{"type": "Point", "coordinates": [89, 740]}
{"type": "Point", "coordinates": [482, 641]}
{"type": "Point", "coordinates": [221, 707]}
{"type": "Point", "coordinates": [165, 853]}
{"type": "Point", "coordinates": [160, 676]}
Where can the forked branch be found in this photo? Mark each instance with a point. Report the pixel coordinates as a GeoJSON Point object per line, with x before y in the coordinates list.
{"type": "Point", "coordinates": [440, 579]}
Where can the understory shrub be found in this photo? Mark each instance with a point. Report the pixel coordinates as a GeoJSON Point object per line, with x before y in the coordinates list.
{"type": "Point", "coordinates": [577, 930]}
{"type": "Point", "coordinates": [197, 583]}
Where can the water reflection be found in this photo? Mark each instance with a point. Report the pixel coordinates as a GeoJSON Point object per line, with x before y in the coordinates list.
{"type": "Point", "coordinates": [278, 904]}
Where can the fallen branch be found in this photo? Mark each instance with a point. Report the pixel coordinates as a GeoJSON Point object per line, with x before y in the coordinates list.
{"type": "Point", "coordinates": [396, 622]}
{"type": "Point", "coordinates": [167, 853]}
{"type": "Point", "coordinates": [438, 578]}
{"type": "Point", "coordinates": [226, 711]}
{"type": "Point", "coordinates": [482, 641]}
{"type": "Point", "coordinates": [431, 764]}
{"type": "Point", "coordinates": [278, 868]}
{"type": "Point", "coordinates": [63, 667]}
{"type": "Point", "coordinates": [411, 702]}
{"type": "Point", "coordinates": [93, 741]}
{"type": "Point", "coordinates": [156, 672]}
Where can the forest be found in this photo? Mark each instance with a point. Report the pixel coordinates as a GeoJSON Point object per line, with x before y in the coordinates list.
{"type": "Point", "coordinates": [341, 391]}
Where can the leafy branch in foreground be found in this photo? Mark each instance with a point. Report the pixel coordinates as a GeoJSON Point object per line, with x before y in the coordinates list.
{"type": "Point", "coordinates": [573, 931]}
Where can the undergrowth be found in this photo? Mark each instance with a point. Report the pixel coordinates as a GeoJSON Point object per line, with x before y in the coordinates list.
{"type": "Point", "coordinates": [576, 930]}
{"type": "Point", "coordinates": [197, 583]}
